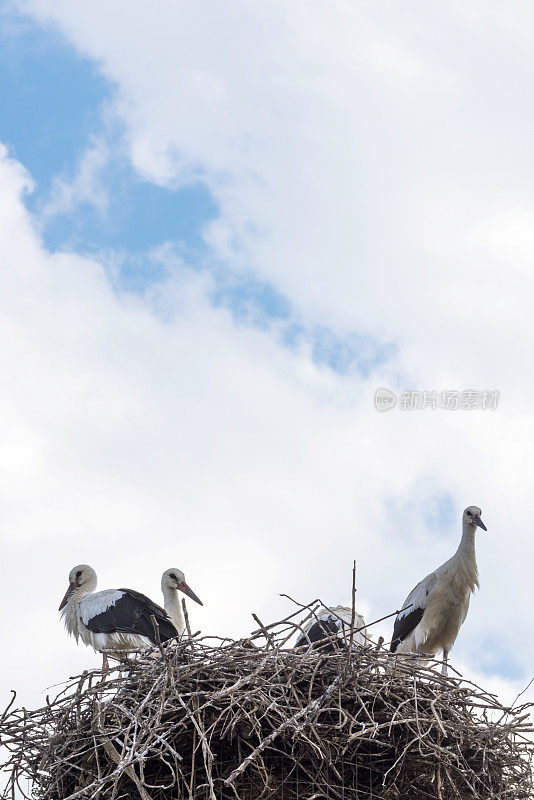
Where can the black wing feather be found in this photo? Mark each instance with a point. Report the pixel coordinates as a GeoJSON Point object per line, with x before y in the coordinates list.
{"type": "Point", "coordinates": [132, 614]}
{"type": "Point", "coordinates": [404, 626]}
{"type": "Point", "coordinates": [319, 636]}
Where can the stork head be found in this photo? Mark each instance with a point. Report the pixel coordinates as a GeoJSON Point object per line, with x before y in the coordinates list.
{"type": "Point", "coordinates": [472, 517]}
{"type": "Point", "coordinates": [81, 577]}
{"type": "Point", "coordinates": [174, 579]}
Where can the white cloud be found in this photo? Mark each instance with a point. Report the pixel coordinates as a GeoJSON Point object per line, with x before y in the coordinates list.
{"type": "Point", "coordinates": [356, 154]}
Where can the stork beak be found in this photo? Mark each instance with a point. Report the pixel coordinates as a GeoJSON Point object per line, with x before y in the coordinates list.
{"type": "Point", "coordinates": [72, 587]}
{"type": "Point", "coordinates": [183, 587]}
{"type": "Point", "coordinates": [478, 521]}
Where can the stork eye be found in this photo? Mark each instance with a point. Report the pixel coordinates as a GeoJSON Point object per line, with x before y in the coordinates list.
{"type": "Point", "coordinates": [173, 576]}
{"type": "Point", "coordinates": [469, 513]}
{"type": "Point", "coordinates": [78, 575]}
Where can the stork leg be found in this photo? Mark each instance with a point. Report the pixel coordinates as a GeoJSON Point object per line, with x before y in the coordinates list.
{"type": "Point", "coordinates": [105, 667]}
{"type": "Point", "coordinates": [444, 670]}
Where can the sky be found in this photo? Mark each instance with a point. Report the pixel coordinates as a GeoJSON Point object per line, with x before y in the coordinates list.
{"type": "Point", "coordinates": [223, 227]}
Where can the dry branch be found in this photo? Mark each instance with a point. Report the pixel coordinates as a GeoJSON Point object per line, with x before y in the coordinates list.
{"type": "Point", "coordinates": [241, 720]}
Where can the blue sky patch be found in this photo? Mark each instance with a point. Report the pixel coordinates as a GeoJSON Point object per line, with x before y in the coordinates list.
{"type": "Point", "coordinates": [258, 303]}
{"type": "Point", "coordinates": [250, 300]}
{"type": "Point", "coordinates": [53, 102]}
{"type": "Point", "coordinates": [50, 97]}
{"type": "Point", "coordinates": [344, 353]}
{"type": "Point", "coordinates": [427, 512]}
{"type": "Point", "coordinates": [138, 216]}
{"type": "Point", "coordinates": [495, 658]}
{"type": "Point", "coordinates": [442, 513]}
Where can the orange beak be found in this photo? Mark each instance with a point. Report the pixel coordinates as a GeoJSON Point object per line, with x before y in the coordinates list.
{"type": "Point", "coordinates": [72, 588]}
{"type": "Point", "coordinates": [478, 521]}
{"type": "Point", "coordinates": [183, 587]}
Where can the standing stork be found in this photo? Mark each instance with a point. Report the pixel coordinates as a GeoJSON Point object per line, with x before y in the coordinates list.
{"type": "Point", "coordinates": [173, 580]}
{"type": "Point", "coordinates": [435, 610]}
{"type": "Point", "coordinates": [113, 620]}
{"type": "Point", "coordinates": [329, 630]}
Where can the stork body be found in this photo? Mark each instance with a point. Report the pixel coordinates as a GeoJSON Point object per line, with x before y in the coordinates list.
{"type": "Point", "coordinates": [436, 608]}
{"type": "Point", "coordinates": [116, 620]}
{"type": "Point", "coordinates": [172, 581]}
{"type": "Point", "coordinates": [335, 621]}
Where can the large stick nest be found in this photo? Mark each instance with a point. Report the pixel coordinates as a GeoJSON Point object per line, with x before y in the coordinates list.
{"type": "Point", "coordinates": [208, 720]}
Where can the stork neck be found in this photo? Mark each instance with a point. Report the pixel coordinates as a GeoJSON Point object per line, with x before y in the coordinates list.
{"type": "Point", "coordinates": [81, 592]}
{"type": "Point", "coordinates": [173, 607]}
{"type": "Point", "coordinates": [467, 542]}
{"type": "Point", "coordinates": [70, 611]}
{"type": "Point", "coordinates": [464, 559]}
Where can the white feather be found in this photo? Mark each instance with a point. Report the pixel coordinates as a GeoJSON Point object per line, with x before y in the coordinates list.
{"type": "Point", "coordinates": [419, 595]}
{"type": "Point", "coordinates": [94, 604]}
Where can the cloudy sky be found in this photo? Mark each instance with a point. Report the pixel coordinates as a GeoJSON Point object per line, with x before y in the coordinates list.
{"type": "Point", "coordinates": [222, 228]}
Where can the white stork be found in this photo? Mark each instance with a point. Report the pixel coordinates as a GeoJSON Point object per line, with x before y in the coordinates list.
{"type": "Point", "coordinates": [320, 630]}
{"type": "Point", "coordinates": [113, 620]}
{"type": "Point", "coordinates": [435, 610]}
{"type": "Point", "coordinates": [173, 580]}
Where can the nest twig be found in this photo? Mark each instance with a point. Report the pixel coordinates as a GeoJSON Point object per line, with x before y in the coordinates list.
{"type": "Point", "coordinates": [242, 720]}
